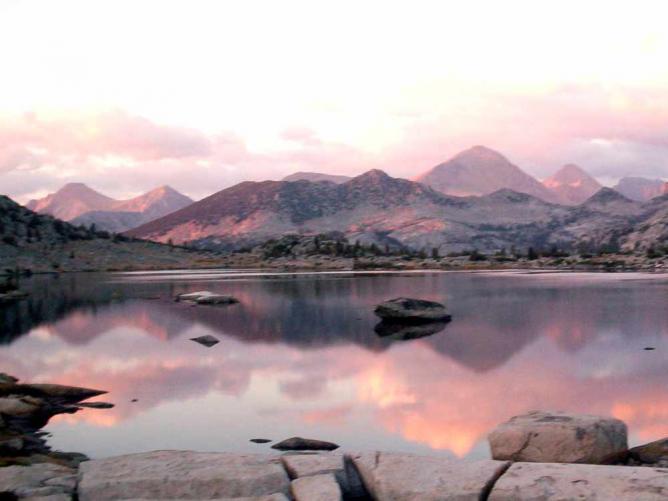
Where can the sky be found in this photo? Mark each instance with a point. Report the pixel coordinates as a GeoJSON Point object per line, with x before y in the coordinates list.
{"type": "Point", "coordinates": [202, 94]}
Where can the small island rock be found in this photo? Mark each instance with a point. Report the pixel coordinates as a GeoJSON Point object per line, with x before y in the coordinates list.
{"type": "Point", "coordinates": [207, 340]}
{"type": "Point", "coordinates": [304, 444]}
{"type": "Point", "coordinates": [415, 310]}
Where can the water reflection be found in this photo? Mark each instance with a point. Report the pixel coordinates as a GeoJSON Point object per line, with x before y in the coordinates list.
{"type": "Point", "coordinates": [299, 355]}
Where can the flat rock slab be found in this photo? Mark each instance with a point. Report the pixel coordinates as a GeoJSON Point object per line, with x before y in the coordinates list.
{"type": "Point", "coordinates": [406, 477]}
{"type": "Point", "coordinates": [182, 475]}
{"type": "Point", "coordinates": [38, 480]}
{"type": "Point", "coordinates": [558, 437]}
{"type": "Point", "coordinates": [271, 497]}
{"type": "Point", "coordinates": [561, 482]}
{"type": "Point", "coordinates": [306, 465]}
{"type": "Point", "coordinates": [409, 309]}
{"type": "Point", "coordinates": [207, 297]}
{"type": "Point", "coordinates": [316, 488]}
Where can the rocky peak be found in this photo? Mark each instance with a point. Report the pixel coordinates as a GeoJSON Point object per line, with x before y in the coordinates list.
{"type": "Point", "coordinates": [606, 196]}
{"type": "Point", "coordinates": [572, 184]}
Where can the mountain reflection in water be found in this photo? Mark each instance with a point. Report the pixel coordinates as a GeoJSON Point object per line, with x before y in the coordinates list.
{"type": "Point", "coordinates": [299, 356]}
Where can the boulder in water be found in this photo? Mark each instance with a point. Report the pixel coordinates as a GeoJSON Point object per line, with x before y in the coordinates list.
{"type": "Point", "coordinates": [207, 297]}
{"type": "Point", "coordinates": [207, 340]}
{"type": "Point", "coordinates": [412, 310]}
{"type": "Point", "coordinates": [304, 444]}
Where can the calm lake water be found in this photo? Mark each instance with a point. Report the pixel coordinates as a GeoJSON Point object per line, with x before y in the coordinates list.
{"type": "Point", "coordinates": [299, 356]}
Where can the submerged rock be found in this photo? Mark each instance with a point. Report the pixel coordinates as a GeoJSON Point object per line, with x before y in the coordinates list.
{"type": "Point", "coordinates": [207, 340]}
{"type": "Point", "coordinates": [207, 297]}
{"type": "Point", "coordinates": [404, 331]}
{"type": "Point", "coordinates": [415, 310]}
{"type": "Point", "coordinates": [304, 444]}
{"type": "Point", "coordinates": [96, 405]}
{"type": "Point", "coordinates": [557, 437]}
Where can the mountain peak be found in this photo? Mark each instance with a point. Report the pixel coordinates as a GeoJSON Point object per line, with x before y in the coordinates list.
{"type": "Point", "coordinates": [480, 153]}
{"type": "Point", "coordinates": [605, 196]}
{"type": "Point", "coordinates": [572, 184]}
{"type": "Point", "coordinates": [479, 171]}
{"type": "Point", "coordinates": [373, 175]}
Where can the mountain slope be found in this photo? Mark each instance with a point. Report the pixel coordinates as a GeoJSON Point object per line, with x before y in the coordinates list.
{"type": "Point", "coordinates": [640, 188]}
{"type": "Point", "coordinates": [38, 242]}
{"type": "Point", "coordinates": [572, 184]}
{"type": "Point", "coordinates": [371, 208]}
{"type": "Point", "coordinates": [316, 176]}
{"type": "Point", "coordinates": [481, 171]}
{"type": "Point", "coordinates": [71, 201]}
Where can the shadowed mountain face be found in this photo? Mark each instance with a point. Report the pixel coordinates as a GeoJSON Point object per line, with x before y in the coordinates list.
{"type": "Point", "coordinates": [316, 176]}
{"type": "Point", "coordinates": [572, 185]}
{"type": "Point", "coordinates": [481, 171]}
{"type": "Point", "coordinates": [640, 189]}
{"type": "Point", "coordinates": [79, 204]}
{"type": "Point", "coordinates": [376, 208]}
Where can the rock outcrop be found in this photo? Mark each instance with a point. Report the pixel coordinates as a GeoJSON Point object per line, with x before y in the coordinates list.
{"type": "Point", "coordinates": [207, 297]}
{"type": "Point", "coordinates": [557, 437]}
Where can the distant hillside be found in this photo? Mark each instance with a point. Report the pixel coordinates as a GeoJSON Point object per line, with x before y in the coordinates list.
{"type": "Point", "coordinates": [572, 184]}
{"type": "Point", "coordinates": [79, 204]}
{"type": "Point", "coordinates": [376, 208]}
{"type": "Point", "coordinates": [316, 176]}
{"type": "Point", "coordinates": [640, 188]}
{"type": "Point", "coordinates": [127, 214]}
{"type": "Point", "coordinates": [481, 171]}
{"type": "Point", "coordinates": [39, 242]}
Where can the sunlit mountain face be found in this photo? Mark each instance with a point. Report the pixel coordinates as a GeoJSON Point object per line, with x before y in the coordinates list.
{"type": "Point", "coordinates": [299, 356]}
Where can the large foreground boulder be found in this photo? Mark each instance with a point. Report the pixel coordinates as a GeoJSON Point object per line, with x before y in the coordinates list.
{"type": "Point", "coordinates": [560, 482]}
{"type": "Point", "coordinates": [182, 475]}
{"type": "Point", "coordinates": [405, 477]}
{"type": "Point", "coordinates": [316, 488]}
{"type": "Point", "coordinates": [558, 437]}
{"type": "Point", "coordinates": [412, 310]}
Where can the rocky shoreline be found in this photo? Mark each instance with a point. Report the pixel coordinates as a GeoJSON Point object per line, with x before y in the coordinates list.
{"type": "Point", "coordinates": [536, 456]}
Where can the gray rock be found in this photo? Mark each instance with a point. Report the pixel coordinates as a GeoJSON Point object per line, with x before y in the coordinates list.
{"type": "Point", "coordinates": [557, 437]}
{"type": "Point", "coordinates": [306, 465]}
{"type": "Point", "coordinates": [270, 497]}
{"type": "Point", "coordinates": [316, 488]}
{"type": "Point", "coordinates": [304, 444]}
{"type": "Point", "coordinates": [182, 475]}
{"type": "Point", "coordinates": [654, 452]}
{"type": "Point", "coordinates": [40, 479]}
{"type": "Point", "coordinates": [405, 477]}
{"type": "Point", "coordinates": [59, 392]}
{"type": "Point", "coordinates": [207, 297]}
{"type": "Point", "coordinates": [561, 482]}
{"type": "Point", "coordinates": [408, 309]}
{"type": "Point", "coordinates": [207, 340]}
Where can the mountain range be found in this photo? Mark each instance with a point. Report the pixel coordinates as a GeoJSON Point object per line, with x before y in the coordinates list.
{"type": "Point", "coordinates": [476, 200]}
{"type": "Point", "coordinates": [376, 208]}
{"type": "Point", "coordinates": [79, 204]}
